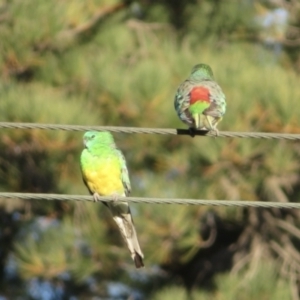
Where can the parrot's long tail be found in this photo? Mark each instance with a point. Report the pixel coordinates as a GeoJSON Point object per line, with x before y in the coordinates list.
{"type": "Point", "coordinates": [122, 216]}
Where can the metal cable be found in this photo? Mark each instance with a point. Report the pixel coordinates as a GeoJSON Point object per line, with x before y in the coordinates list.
{"type": "Point", "coordinates": [227, 134]}
{"type": "Point", "coordinates": [239, 203]}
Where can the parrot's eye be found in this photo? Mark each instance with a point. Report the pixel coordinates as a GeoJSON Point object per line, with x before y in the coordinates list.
{"type": "Point", "coordinates": [93, 136]}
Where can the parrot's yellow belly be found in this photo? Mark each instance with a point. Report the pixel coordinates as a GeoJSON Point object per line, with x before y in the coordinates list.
{"type": "Point", "coordinates": [105, 180]}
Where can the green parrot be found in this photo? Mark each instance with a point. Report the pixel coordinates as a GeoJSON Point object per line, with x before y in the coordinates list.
{"type": "Point", "coordinates": [199, 101]}
{"type": "Point", "coordinates": [105, 173]}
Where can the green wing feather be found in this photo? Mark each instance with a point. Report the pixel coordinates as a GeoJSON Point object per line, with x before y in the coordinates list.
{"type": "Point", "coordinates": [124, 172]}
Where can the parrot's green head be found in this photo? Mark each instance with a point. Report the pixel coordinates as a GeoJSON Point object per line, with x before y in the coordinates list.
{"type": "Point", "coordinates": [93, 139]}
{"type": "Point", "coordinates": [202, 72]}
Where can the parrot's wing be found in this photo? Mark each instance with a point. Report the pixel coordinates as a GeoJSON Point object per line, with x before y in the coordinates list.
{"type": "Point", "coordinates": [182, 103]}
{"type": "Point", "coordinates": [214, 110]}
{"type": "Point", "coordinates": [124, 172]}
{"type": "Point", "coordinates": [182, 98]}
{"type": "Point", "coordinates": [217, 107]}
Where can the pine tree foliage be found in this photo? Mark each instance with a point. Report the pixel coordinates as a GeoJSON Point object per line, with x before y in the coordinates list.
{"type": "Point", "coordinates": [119, 63]}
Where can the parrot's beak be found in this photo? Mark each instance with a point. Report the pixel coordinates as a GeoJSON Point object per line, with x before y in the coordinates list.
{"type": "Point", "coordinates": [84, 143]}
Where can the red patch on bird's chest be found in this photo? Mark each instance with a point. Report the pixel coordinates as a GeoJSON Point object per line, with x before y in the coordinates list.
{"type": "Point", "coordinates": [199, 94]}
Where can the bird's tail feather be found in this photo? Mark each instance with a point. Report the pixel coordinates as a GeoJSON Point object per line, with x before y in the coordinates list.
{"type": "Point", "coordinates": [128, 232]}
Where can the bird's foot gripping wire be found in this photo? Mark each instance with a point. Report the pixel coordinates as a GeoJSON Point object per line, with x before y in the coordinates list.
{"type": "Point", "coordinates": [212, 128]}
{"type": "Point", "coordinates": [96, 197]}
{"type": "Point", "coordinates": [214, 131]}
{"type": "Point", "coordinates": [115, 197]}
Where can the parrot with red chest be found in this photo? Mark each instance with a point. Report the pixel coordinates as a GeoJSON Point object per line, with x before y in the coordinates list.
{"type": "Point", "coordinates": [200, 102]}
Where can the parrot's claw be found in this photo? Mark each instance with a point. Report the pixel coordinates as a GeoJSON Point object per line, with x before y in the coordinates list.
{"type": "Point", "coordinates": [115, 198]}
{"type": "Point", "coordinates": [212, 127]}
{"type": "Point", "coordinates": [215, 132]}
{"type": "Point", "coordinates": [96, 197]}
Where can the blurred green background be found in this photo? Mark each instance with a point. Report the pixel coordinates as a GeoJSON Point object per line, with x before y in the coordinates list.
{"type": "Point", "coordinates": [119, 63]}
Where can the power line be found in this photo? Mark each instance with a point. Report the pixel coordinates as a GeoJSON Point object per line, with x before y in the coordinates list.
{"type": "Point", "coordinates": [239, 203]}
{"type": "Point", "coordinates": [165, 131]}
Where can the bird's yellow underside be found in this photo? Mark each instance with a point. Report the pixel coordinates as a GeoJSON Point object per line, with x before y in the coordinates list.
{"type": "Point", "coordinates": [105, 180]}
